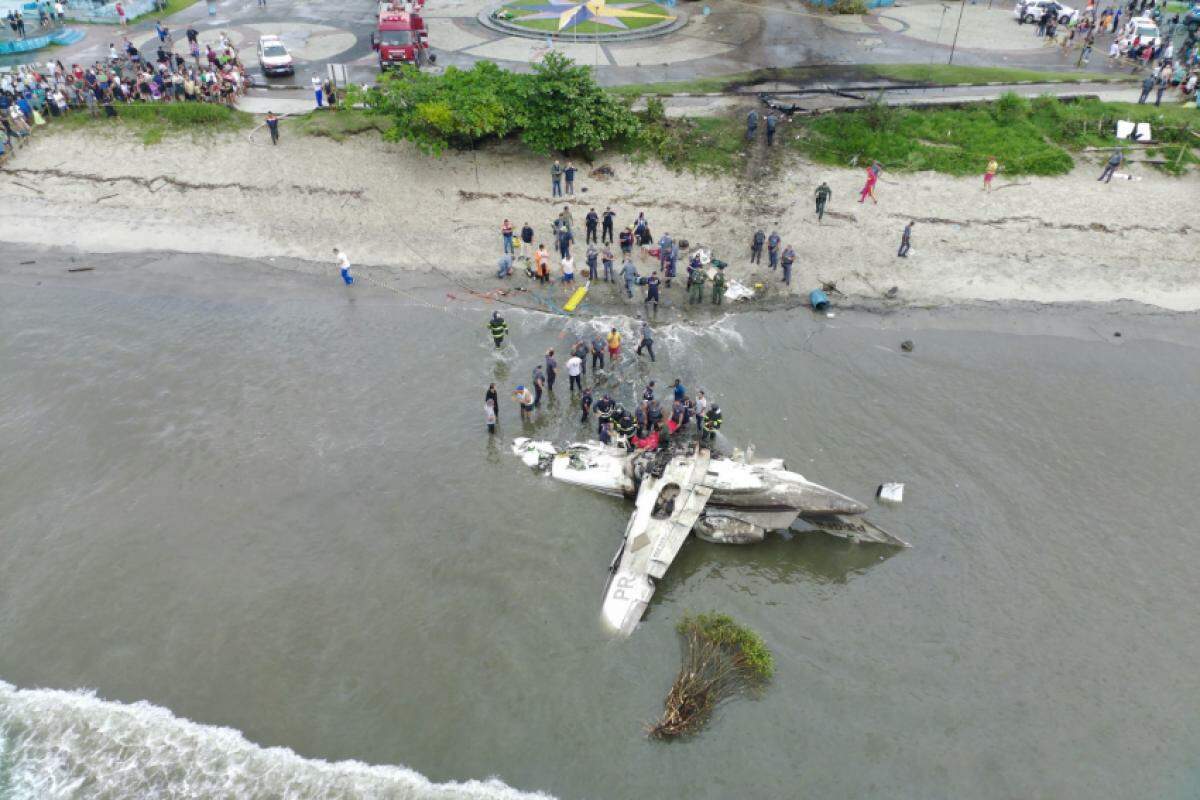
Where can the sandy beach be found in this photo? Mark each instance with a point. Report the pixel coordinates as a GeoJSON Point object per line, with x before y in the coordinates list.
{"type": "Point", "coordinates": [1038, 239]}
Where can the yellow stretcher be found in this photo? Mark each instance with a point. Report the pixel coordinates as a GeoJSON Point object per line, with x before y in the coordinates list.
{"type": "Point", "coordinates": [576, 297]}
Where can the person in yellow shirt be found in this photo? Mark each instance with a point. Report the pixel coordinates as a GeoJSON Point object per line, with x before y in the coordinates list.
{"type": "Point", "coordinates": [993, 166]}
{"type": "Point", "coordinates": [614, 345]}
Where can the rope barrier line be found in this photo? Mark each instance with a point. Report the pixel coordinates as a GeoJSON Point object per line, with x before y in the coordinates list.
{"type": "Point", "coordinates": [418, 301]}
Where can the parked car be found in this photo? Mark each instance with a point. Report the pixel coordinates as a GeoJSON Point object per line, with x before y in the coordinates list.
{"type": "Point", "coordinates": [274, 58]}
{"type": "Point", "coordinates": [1032, 11]}
{"type": "Point", "coordinates": [1143, 29]}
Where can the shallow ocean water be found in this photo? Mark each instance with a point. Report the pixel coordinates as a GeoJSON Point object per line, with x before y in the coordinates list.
{"type": "Point", "coordinates": [267, 503]}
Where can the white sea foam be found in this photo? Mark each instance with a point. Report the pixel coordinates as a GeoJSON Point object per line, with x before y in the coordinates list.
{"type": "Point", "coordinates": [58, 745]}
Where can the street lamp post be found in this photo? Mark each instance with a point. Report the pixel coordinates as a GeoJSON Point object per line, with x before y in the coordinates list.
{"type": "Point", "coordinates": [957, 25]}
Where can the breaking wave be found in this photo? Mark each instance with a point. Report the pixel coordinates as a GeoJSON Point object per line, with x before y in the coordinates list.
{"type": "Point", "coordinates": [58, 745]}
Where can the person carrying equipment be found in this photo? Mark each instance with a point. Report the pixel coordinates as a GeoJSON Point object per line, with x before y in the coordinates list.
{"type": "Point", "coordinates": [498, 328]}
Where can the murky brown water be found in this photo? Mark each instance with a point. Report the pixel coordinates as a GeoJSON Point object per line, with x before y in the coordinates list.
{"type": "Point", "coordinates": [262, 502]}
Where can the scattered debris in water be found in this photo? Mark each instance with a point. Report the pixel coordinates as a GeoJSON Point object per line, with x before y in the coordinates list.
{"type": "Point", "coordinates": [907, 345]}
{"type": "Point", "coordinates": [891, 492]}
{"type": "Point", "coordinates": [80, 269]}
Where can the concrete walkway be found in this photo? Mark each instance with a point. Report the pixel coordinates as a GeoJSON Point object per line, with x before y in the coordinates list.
{"type": "Point", "coordinates": [283, 104]}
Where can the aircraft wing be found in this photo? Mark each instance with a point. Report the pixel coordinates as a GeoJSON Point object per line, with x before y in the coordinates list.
{"type": "Point", "coordinates": [667, 508]}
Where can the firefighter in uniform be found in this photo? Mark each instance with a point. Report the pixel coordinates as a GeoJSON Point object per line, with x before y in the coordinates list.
{"type": "Point", "coordinates": [498, 328]}
{"type": "Point", "coordinates": [712, 423]}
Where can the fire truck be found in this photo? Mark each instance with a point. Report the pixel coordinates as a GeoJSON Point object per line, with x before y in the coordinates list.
{"type": "Point", "coordinates": [401, 37]}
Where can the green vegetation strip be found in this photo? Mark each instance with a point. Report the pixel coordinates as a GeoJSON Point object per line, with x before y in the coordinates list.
{"type": "Point", "coordinates": [153, 122]}
{"type": "Point", "coordinates": [173, 7]}
{"type": "Point", "coordinates": [1028, 138]}
{"type": "Point", "coordinates": [339, 124]}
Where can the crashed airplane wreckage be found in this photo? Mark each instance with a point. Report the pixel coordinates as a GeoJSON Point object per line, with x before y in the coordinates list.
{"type": "Point", "coordinates": [690, 489]}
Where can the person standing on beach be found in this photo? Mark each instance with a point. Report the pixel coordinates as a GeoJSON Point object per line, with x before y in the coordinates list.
{"type": "Point", "coordinates": [989, 174]}
{"type": "Point", "coordinates": [318, 91]}
{"type": "Point", "coordinates": [606, 225]}
{"type": "Point", "coordinates": [905, 241]}
{"type": "Point", "coordinates": [343, 263]}
{"type": "Point", "coordinates": [868, 189]}
{"type": "Point", "coordinates": [696, 288]}
{"type": "Point", "coordinates": [756, 246]}
{"type": "Point", "coordinates": [589, 224]}
{"type": "Point", "coordinates": [629, 274]}
{"type": "Point", "coordinates": [822, 195]}
{"type": "Point", "coordinates": [652, 294]}
{"type": "Point", "coordinates": [771, 123]}
{"type": "Point", "coordinates": [751, 126]}
{"type": "Point", "coordinates": [556, 172]}
{"type": "Point", "coordinates": [773, 242]}
{"type": "Point", "coordinates": [1114, 161]}
{"type": "Point", "coordinates": [273, 126]}
{"type": "Point", "coordinates": [526, 238]}
{"type": "Point", "coordinates": [787, 258]}
{"type": "Point", "coordinates": [606, 258]}
{"type": "Point", "coordinates": [506, 236]}
{"type": "Point", "coordinates": [718, 287]}
{"type": "Point", "coordinates": [569, 174]}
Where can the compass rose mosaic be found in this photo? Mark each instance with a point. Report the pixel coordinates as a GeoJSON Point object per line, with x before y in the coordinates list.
{"type": "Point", "coordinates": [594, 16]}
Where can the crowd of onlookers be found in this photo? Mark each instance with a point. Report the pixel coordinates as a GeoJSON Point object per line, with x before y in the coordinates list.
{"type": "Point", "coordinates": [34, 93]}
{"type": "Point", "coordinates": [1132, 43]}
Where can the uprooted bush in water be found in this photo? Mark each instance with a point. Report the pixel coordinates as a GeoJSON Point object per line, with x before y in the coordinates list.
{"type": "Point", "coordinates": [721, 660]}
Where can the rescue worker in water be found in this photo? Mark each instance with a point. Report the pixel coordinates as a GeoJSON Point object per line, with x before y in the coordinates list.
{"type": "Point", "coordinates": [712, 423]}
{"type": "Point", "coordinates": [498, 328]}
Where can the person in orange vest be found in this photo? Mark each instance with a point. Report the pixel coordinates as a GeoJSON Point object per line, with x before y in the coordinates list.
{"type": "Point", "coordinates": [541, 260]}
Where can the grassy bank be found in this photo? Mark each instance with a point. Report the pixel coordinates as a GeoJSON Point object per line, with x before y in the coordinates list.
{"type": "Point", "coordinates": [337, 125]}
{"type": "Point", "coordinates": [173, 7]}
{"type": "Point", "coordinates": [154, 122]}
{"type": "Point", "coordinates": [947, 75]}
{"type": "Point", "coordinates": [1028, 138]}
{"type": "Point", "coordinates": [1038, 137]}
{"type": "Point", "coordinates": [932, 74]}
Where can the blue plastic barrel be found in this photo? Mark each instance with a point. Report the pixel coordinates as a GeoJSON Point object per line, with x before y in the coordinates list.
{"type": "Point", "coordinates": [818, 299]}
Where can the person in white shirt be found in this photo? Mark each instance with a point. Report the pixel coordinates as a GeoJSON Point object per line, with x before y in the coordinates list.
{"type": "Point", "coordinates": [343, 262]}
{"type": "Point", "coordinates": [568, 270]}
{"type": "Point", "coordinates": [575, 371]}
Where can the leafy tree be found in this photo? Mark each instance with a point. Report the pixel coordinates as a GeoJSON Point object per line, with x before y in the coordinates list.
{"type": "Point", "coordinates": [563, 108]}
{"type": "Point", "coordinates": [558, 107]}
{"type": "Point", "coordinates": [455, 109]}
